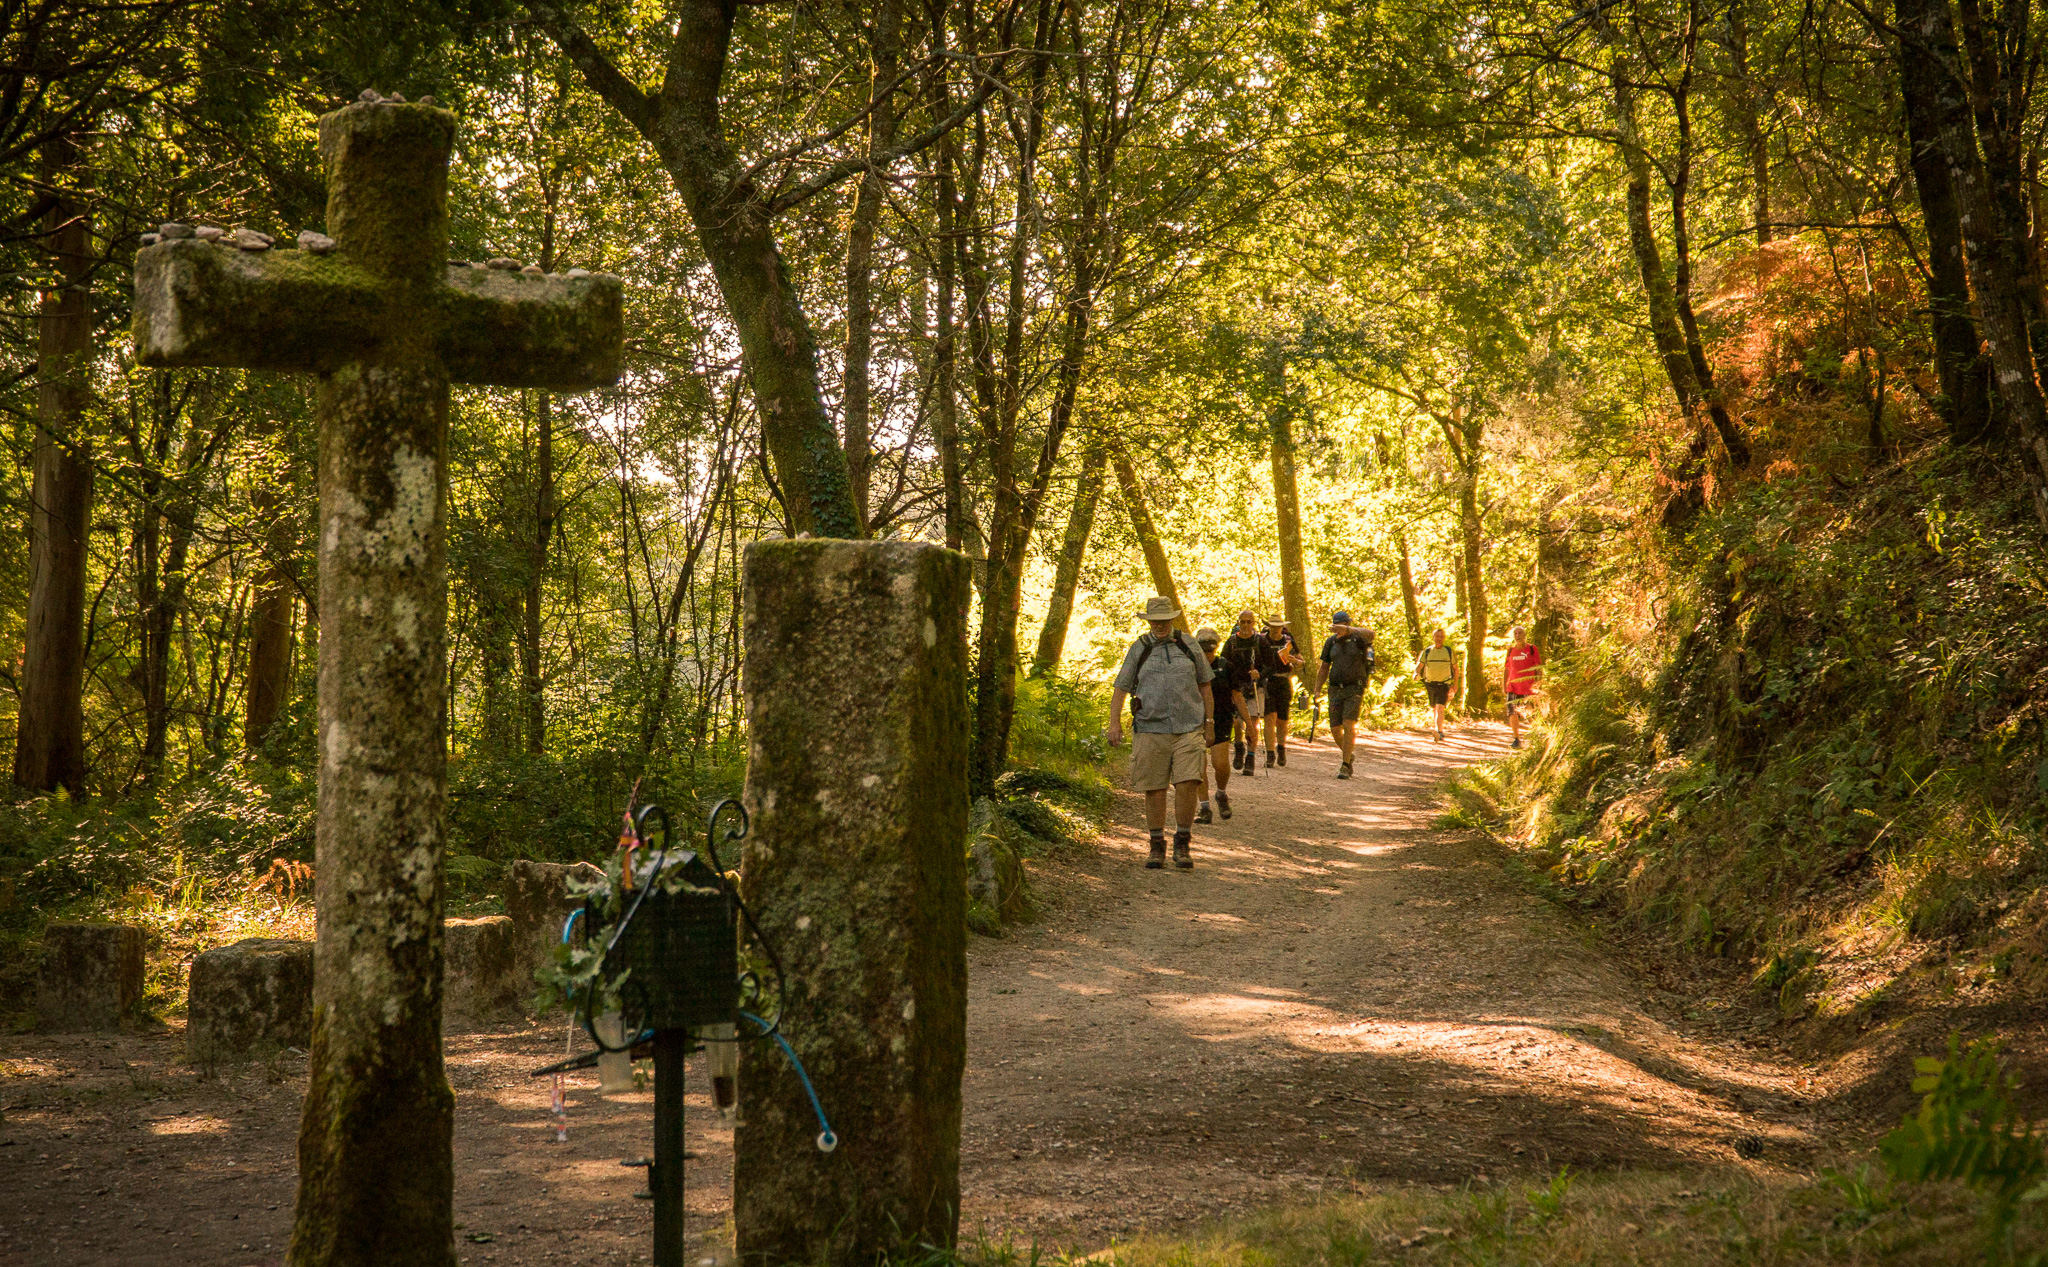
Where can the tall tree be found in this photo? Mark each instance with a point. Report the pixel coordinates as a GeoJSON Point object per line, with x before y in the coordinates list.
{"type": "Point", "coordinates": [49, 746]}
{"type": "Point", "coordinates": [1927, 60]}
{"type": "Point", "coordinates": [1147, 532]}
{"type": "Point", "coordinates": [1059, 610]}
{"type": "Point", "coordinates": [734, 206]}
{"type": "Point", "coordinates": [885, 33]}
{"type": "Point", "coordinates": [1287, 500]}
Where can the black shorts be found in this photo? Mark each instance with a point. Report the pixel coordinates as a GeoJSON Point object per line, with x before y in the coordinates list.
{"type": "Point", "coordinates": [1277, 697]}
{"type": "Point", "coordinates": [1344, 703]}
{"type": "Point", "coordinates": [1439, 692]}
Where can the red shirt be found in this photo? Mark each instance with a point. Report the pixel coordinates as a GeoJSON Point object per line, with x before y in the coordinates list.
{"type": "Point", "coordinates": [1521, 669]}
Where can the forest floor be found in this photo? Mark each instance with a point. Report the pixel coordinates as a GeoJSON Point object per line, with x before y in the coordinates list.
{"type": "Point", "coordinates": [1338, 994]}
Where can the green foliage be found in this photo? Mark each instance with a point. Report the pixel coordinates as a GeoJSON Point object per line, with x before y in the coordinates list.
{"type": "Point", "coordinates": [1833, 735]}
{"type": "Point", "coordinates": [1058, 725]}
{"type": "Point", "coordinates": [1969, 1130]}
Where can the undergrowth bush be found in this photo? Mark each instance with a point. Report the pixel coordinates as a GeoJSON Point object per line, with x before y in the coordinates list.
{"type": "Point", "coordinates": [1835, 740]}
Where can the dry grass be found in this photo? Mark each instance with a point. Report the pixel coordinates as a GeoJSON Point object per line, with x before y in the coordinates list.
{"type": "Point", "coordinates": [1723, 1216]}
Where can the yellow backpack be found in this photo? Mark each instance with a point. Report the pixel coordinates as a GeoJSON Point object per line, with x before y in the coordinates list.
{"type": "Point", "coordinates": [1437, 668]}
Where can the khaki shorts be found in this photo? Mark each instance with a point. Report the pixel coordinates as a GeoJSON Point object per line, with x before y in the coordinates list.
{"type": "Point", "coordinates": [1160, 761]}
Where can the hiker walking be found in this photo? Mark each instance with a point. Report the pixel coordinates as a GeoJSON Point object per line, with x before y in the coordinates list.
{"type": "Point", "coordinates": [1227, 689]}
{"type": "Point", "coordinates": [1437, 666]}
{"type": "Point", "coordinates": [1242, 650]}
{"type": "Point", "coordinates": [1347, 668]}
{"type": "Point", "coordinates": [1276, 661]}
{"type": "Point", "coordinates": [1518, 678]}
{"type": "Point", "coordinates": [1172, 720]}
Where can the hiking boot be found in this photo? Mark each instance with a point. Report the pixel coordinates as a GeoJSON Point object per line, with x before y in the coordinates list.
{"type": "Point", "coordinates": [1269, 758]}
{"type": "Point", "coordinates": [1202, 813]}
{"type": "Point", "coordinates": [1237, 756]}
{"type": "Point", "coordinates": [1181, 859]}
{"type": "Point", "coordinates": [1158, 859]}
{"type": "Point", "coordinates": [1344, 770]}
{"type": "Point", "coordinates": [1283, 754]}
{"type": "Point", "coordinates": [1517, 743]}
{"type": "Point", "coordinates": [1223, 804]}
{"type": "Point", "coordinates": [1251, 762]}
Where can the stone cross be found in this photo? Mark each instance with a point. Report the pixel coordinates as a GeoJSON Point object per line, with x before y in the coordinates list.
{"type": "Point", "coordinates": [387, 323]}
{"type": "Point", "coordinates": [857, 870]}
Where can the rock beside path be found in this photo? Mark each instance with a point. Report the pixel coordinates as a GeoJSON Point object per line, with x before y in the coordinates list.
{"type": "Point", "coordinates": [91, 977]}
{"type": "Point", "coordinates": [250, 999]}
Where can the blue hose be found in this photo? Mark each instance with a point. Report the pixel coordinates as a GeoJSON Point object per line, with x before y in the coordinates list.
{"type": "Point", "coordinates": [827, 1141]}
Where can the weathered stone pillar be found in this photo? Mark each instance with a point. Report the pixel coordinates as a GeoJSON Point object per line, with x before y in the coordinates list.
{"type": "Point", "coordinates": [856, 673]}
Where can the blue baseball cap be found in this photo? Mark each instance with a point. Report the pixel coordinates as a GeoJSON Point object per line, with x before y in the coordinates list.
{"type": "Point", "coordinates": [1340, 618]}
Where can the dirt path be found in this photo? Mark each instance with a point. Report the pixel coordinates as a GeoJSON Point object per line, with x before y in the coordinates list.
{"type": "Point", "coordinates": [1336, 993]}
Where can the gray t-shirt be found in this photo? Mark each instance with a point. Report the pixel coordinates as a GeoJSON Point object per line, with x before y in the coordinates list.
{"type": "Point", "coordinates": [1171, 685]}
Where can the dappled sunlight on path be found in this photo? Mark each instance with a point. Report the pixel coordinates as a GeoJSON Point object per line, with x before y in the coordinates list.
{"type": "Point", "coordinates": [1338, 992]}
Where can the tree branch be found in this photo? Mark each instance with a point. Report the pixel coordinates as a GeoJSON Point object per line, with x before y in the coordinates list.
{"type": "Point", "coordinates": [604, 78]}
{"type": "Point", "coordinates": [861, 164]}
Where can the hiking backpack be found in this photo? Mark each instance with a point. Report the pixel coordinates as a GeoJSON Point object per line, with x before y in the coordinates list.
{"type": "Point", "coordinates": [1138, 705]}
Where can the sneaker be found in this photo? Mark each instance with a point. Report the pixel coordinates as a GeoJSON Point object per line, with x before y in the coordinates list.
{"type": "Point", "coordinates": [1202, 813]}
{"type": "Point", "coordinates": [1269, 758]}
{"type": "Point", "coordinates": [1344, 770]}
{"type": "Point", "coordinates": [1158, 859]}
{"type": "Point", "coordinates": [1181, 859]}
{"type": "Point", "coordinates": [1223, 804]}
{"type": "Point", "coordinates": [1283, 754]}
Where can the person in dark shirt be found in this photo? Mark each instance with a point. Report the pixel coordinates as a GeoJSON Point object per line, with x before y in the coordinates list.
{"type": "Point", "coordinates": [1348, 663]}
{"type": "Point", "coordinates": [1242, 650]}
{"type": "Point", "coordinates": [1228, 689]}
{"type": "Point", "coordinates": [1276, 660]}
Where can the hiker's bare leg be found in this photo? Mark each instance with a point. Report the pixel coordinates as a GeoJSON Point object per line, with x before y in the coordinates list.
{"type": "Point", "coordinates": [1184, 795]}
{"type": "Point", "coordinates": [1221, 761]}
{"type": "Point", "coordinates": [1155, 809]}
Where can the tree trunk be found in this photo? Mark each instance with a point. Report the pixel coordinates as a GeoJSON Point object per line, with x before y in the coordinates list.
{"type": "Point", "coordinates": [1665, 332]}
{"type": "Point", "coordinates": [544, 511]}
{"type": "Point", "coordinates": [1550, 602]}
{"type": "Point", "coordinates": [860, 252]}
{"type": "Point", "coordinates": [1998, 281]}
{"type": "Point", "coordinates": [49, 748]}
{"type": "Point", "coordinates": [948, 253]}
{"type": "Point", "coordinates": [1743, 105]}
{"type": "Point", "coordinates": [1147, 532]}
{"type": "Point", "coordinates": [1052, 638]}
{"type": "Point", "coordinates": [1475, 579]}
{"type": "Point", "coordinates": [1732, 439]}
{"type": "Point", "coordinates": [2001, 68]}
{"type": "Point", "coordinates": [1409, 607]}
{"type": "Point", "coordinates": [1927, 53]}
{"type": "Point", "coordinates": [1287, 508]}
{"type": "Point", "coordinates": [735, 225]}
{"type": "Point", "coordinates": [270, 647]}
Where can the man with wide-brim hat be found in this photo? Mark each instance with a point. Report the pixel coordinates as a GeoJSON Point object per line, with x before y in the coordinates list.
{"type": "Point", "coordinates": [1166, 681]}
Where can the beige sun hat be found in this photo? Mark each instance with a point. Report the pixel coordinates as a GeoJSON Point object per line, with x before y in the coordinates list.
{"type": "Point", "coordinates": [1157, 608]}
{"type": "Point", "coordinates": [1207, 633]}
{"type": "Point", "coordinates": [1272, 621]}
